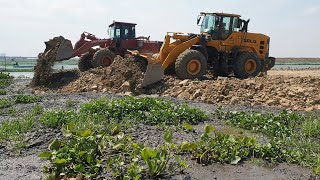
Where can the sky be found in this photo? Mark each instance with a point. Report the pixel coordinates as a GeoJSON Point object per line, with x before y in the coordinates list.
{"type": "Point", "coordinates": [293, 25]}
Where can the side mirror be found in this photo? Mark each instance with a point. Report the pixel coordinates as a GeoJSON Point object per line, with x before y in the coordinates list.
{"type": "Point", "coordinates": [199, 20]}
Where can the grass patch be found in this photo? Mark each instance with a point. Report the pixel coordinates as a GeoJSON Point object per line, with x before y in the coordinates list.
{"type": "Point", "coordinates": [12, 111]}
{"type": "Point", "coordinates": [70, 103]}
{"type": "Point", "coordinates": [143, 110]}
{"type": "Point", "coordinates": [5, 80]}
{"type": "Point", "coordinates": [19, 99]}
{"type": "Point", "coordinates": [26, 99]}
{"type": "Point", "coordinates": [55, 119]}
{"type": "Point", "coordinates": [5, 103]}
{"type": "Point", "coordinates": [104, 112]}
{"type": "Point", "coordinates": [3, 92]}
{"type": "Point", "coordinates": [294, 137]}
{"type": "Point", "coordinates": [17, 128]}
{"type": "Point", "coordinates": [18, 70]}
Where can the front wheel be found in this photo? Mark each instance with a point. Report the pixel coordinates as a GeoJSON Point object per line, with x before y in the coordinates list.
{"type": "Point", "coordinates": [103, 58]}
{"type": "Point", "coordinates": [84, 63]}
{"type": "Point", "coordinates": [191, 64]}
{"type": "Point", "coordinates": [247, 65]}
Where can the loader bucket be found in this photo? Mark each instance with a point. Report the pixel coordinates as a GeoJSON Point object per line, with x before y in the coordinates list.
{"type": "Point", "coordinates": [153, 74]}
{"type": "Point", "coordinates": [65, 49]}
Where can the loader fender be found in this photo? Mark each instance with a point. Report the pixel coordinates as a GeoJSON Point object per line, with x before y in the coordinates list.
{"type": "Point", "coordinates": [201, 49]}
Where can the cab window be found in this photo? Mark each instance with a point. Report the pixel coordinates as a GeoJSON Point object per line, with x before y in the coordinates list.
{"type": "Point", "coordinates": [235, 24]}
{"type": "Point", "coordinates": [118, 33]}
{"type": "Point", "coordinates": [208, 23]}
{"type": "Point", "coordinates": [225, 27]}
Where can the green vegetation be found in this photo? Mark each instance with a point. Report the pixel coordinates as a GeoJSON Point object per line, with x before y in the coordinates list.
{"type": "Point", "coordinates": [3, 92]}
{"type": "Point", "coordinates": [17, 70]}
{"type": "Point", "coordinates": [16, 129]}
{"type": "Point", "coordinates": [96, 128]}
{"type": "Point", "coordinates": [12, 111]}
{"type": "Point", "coordinates": [70, 103]}
{"type": "Point", "coordinates": [97, 138]}
{"type": "Point", "coordinates": [5, 103]}
{"type": "Point", "coordinates": [293, 137]}
{"type": "Point", "coordinates": [18, 99]}
{"type": "Point", "coordinates": [144, 110]}
{"type": "Point", "coordinates": [84, 151]}
{"type": "Point", "coordinates": [26, 99]}
{"type": "Point", "coordinates": [5, 80]}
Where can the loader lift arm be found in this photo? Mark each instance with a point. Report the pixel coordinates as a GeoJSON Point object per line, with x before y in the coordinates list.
{"type": "Point", "coordinates": [168, 54]}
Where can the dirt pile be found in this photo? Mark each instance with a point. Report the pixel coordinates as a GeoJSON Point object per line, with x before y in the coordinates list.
{"type": "Point", "coordinates": [124, 75]}
{"type": "Point", "coordinates": [296, 93]}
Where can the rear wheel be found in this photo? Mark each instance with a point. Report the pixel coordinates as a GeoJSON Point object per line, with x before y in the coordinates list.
{"type": "Point", "coordinates": [103, 58]}
{"type": "Point", "coordinates": [191, 64]}
{"type": "Point", "coordinates": [247, 65]}
{"type": "Point", "coordinates": [84, 63]}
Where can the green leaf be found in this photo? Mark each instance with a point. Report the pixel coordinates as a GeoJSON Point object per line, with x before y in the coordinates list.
{"type": "Point", "coordinates": [86, 133]}
{"type": "Point", "coordinates": [168, 136]}
{"type": "Point", "coordinates": [60, 161]}
{"type": "Point", "coordinates": [71, 126]}
{"type": "Point", "coordinates": [118, 146]}
{"type": "Point", "coordinates": [115, 131]}
{"type": "Point", "coordinates": [45, 155]}
{"type": "Point", "coordinates": [204, 136]}
{"type": "Point", "coordinates": [51, 176]}
{"type": "Point", "coordinates": [80, 168]}
{"type": "Point", "coordinates": [236, 160]}
{"type": "Point", "coordinates": [208, 129]}
{"type": "Point", "coordinates": [185, 146]}
{"type": "Point", "coordinates": [120, 135]}
{"type": "Point", "coordinates": [187, 126]}
{"type": "Point", "coordinates": [66, 133]}
{"type": "Point", "coordinates": [55, 145]}
{"type": "Point", "coordinates": [183, 164]}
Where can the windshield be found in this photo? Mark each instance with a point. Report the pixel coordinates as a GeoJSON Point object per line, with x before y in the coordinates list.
{"type": "Point", "coordinates": [208, 23]}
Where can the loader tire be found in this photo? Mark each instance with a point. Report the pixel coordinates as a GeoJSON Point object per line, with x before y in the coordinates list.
{"type": "Point", "coordinates": [247, 65]}
{"type": "Point", "coordinates": [103, 58]}
{"type": "Point", "coordinates": [84, 63]}
{"type": "Point", "coordinates": [191, 64]}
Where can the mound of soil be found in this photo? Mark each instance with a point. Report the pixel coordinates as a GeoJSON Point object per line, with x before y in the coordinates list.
{"type": "Point", "coordinates": [295, 93]}
{"type": "Point", "coordinates": [124, 75]}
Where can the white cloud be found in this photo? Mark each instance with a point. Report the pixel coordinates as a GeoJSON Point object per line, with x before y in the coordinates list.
{"type": "Point", "coordinates": [311, 10]}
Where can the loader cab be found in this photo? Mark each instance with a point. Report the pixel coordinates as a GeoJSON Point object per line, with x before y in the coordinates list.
{"type": "Point", "coordinates": [122, 30]}
{"type": "Point", "coordinates": [221, 25]}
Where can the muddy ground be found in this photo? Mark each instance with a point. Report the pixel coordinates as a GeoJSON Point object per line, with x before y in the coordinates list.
{"type": "Point", "coordinates": [25, 164]}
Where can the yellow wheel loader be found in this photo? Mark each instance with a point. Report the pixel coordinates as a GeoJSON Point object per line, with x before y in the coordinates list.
{"type": "Point", "coordinates": [224, 46]}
